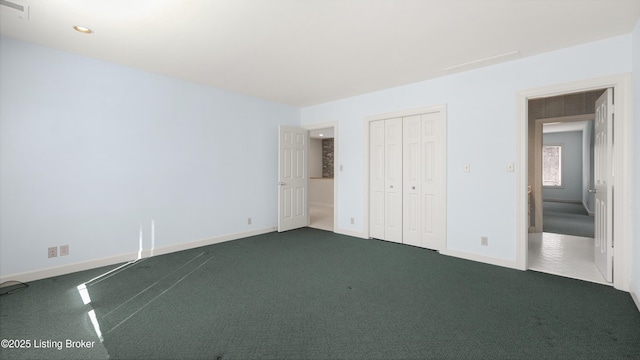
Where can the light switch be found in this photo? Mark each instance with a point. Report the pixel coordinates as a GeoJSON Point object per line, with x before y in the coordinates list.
{"type": "Point", "coordinates": [467, 168]}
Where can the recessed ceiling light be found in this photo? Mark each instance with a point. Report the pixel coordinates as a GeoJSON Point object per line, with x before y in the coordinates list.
{"type": "Point", "coordinates": [83, 29]}
{"type": "Point", "coordinates": [320, 134]}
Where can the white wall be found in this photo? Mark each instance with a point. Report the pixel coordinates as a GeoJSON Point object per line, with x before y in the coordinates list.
{"type": "Point", "coordinates": [481, 110]}
{"type": "Point", "coordinates": [91, 152]}
{"type": "Point", "coordinates": [635, 272]}
{"type": "Point", "coordinates": [571, 189]}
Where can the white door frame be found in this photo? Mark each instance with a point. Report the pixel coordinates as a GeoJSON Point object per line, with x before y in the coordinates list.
{"type": "Point", "coordinates": [621, 165]}
{"type": "Point", "coordinates": [396, 114]}
{"type": "Point", "coordinates": [336, 167]}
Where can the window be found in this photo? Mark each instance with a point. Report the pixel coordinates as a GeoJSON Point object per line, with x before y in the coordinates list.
{"type": "Point", "coordinates": [552, 165]}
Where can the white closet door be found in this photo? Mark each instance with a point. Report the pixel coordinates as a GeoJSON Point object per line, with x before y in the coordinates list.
{"type": "Point", "coordinates": [433, 185]}
{"type": "Point", "coordinates": [376, 179]}
{"type": "Point", "coordinates": [412, 196]}
{"type": "Point", "coordinates": [393, 180]}
{"type": "Point", "coordinates": [424, 206]}
{"type": "Point", "coordinates": [407, 180]}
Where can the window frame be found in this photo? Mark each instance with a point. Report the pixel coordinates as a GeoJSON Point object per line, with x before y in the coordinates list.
{"type": "Point", "coordinates": [561, 167]}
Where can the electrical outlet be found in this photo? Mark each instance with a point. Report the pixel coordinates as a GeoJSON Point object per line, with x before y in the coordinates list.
{"type": "Point", "coordinates": [510, 167]}
{"type": "Point", "coordinates": [64, 250]}
{"type": "Point", "coordinates": [248, 221]}
{"type": "Point", "coordinates": [484, 241]}
{"type": "Point", "coordinates": [52, 251]}
{"type": "Point", "coordinates": [352, 221]}
{"type": "Point", "coordinates": [467, 168]}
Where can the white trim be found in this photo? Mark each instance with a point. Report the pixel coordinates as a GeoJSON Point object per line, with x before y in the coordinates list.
{"type": "Point", "coordinates": [68, 269]}
{"type": "Point", "coordinates": [417, 111]}
{"type": "Point", "coordinates": [92, 264]}
{"type": "Point", "coordinates": [622, 163]}
{"type": "Point", "coordinates": [347, 232]}
{"type": "Point", "coordinates": [586, 208]}
{"type": "Point", "coordinates": [336, 166]}
{"type": "Point", "coordinates": [480, 258]}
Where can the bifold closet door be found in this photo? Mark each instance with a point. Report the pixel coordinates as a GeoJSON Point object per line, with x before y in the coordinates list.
{"type": "Point", "coordinates": [376, 179]}
{"type": "Point", "coordinates": [412, 185]}
{"type": "Point", "coordinates": [424, 207]}
{"type": "Point", "coordinates": [385, 179]}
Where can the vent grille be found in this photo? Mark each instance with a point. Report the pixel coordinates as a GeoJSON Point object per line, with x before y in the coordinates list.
{"type": "Point", "coordinates": [15, 9]}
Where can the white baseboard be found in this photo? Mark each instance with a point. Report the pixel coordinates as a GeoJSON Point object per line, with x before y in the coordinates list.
{"type": "Point", "coordinates": [92, 264]}
{"type": "Point", "coordinates": [586, 208]}
{"type": "Point", "coordinates": [634, 295]}
{"type": "Point", "coordinates": [68, 269]}
{"type": "Point", "coordinates": [350, 233]}
{"type": "Point", "coordinates": [211, 241]}
{"type": "Point", "coordinates": [481, 258]}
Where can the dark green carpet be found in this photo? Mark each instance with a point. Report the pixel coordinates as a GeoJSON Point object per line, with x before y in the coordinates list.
{"type": "Point", "coordinates": [567, 219]}
{"type": "Point", "coordinates": [310, 294]}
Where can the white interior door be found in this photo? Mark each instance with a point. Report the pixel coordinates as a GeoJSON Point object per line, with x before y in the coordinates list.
{"type": "Point", "coordinates": [412, 192]}
{"type": "Point", "coordinates": [433, 177]}
{"type": "Point", "coordinates": [393, 180]}
{"type": "Point", "coordinates": [407, 179]}
{"type": "Point", "coordinates": [424, 206]}
{"type": "Point", "coordinates": [293, 181]}
{"type": "Point", "coordinates": [603, 249]}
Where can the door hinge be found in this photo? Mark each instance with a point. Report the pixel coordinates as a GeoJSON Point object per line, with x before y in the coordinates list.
{"type": "Point", "coordinates": [612, 108]}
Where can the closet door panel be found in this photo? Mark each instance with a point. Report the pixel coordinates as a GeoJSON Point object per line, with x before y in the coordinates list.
{"type": "Point", "coordinates": [393, 180]}
{"type": "Point", "coordinates": [412, 159]}
{"type": "Point", "coordinates": [376, 179]}
{"type": "Point", "coordinates": [433, 214]}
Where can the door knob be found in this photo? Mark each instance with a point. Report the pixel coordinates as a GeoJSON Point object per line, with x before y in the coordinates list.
{"type": "Point", "coordinates": [391, 186]}
{"type": "Point", "coordinates": [413, 188]}
{"type": "Point", "coordinates": [281, 183]}
{"type": "Point", "coordinates": [593, 191]}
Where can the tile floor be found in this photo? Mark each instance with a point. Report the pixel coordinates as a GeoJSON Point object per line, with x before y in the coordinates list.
{"type": "Point", "coordinates": [564, 255]}
{"type": "Point", "coordinates": [321, 217]}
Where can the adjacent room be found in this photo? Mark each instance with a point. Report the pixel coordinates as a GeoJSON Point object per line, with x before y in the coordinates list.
{"type": "Point", "coordinates": [242, 179]}
{"type": "Point", "coordinates": [562, 204]}
{"type": "Point", "coordinates": [321, 178]}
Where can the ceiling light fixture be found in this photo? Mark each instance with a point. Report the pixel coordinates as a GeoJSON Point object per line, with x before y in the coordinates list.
{"type": "Point", "coordinates": [320, 134]}
{"type": "Point", "coordinates": [83, 29]}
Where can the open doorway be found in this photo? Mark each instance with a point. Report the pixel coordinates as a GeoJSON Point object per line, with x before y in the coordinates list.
{"type": "Point", "coordinates": [619, 185]}
{"type": "Point", "coordinates": [322, 178]}
{"type": "Point", "coordinates": [561, 165]}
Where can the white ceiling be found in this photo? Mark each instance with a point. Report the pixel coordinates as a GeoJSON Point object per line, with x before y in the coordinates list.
{"type": "Point", "coordinates": [305, 52]}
